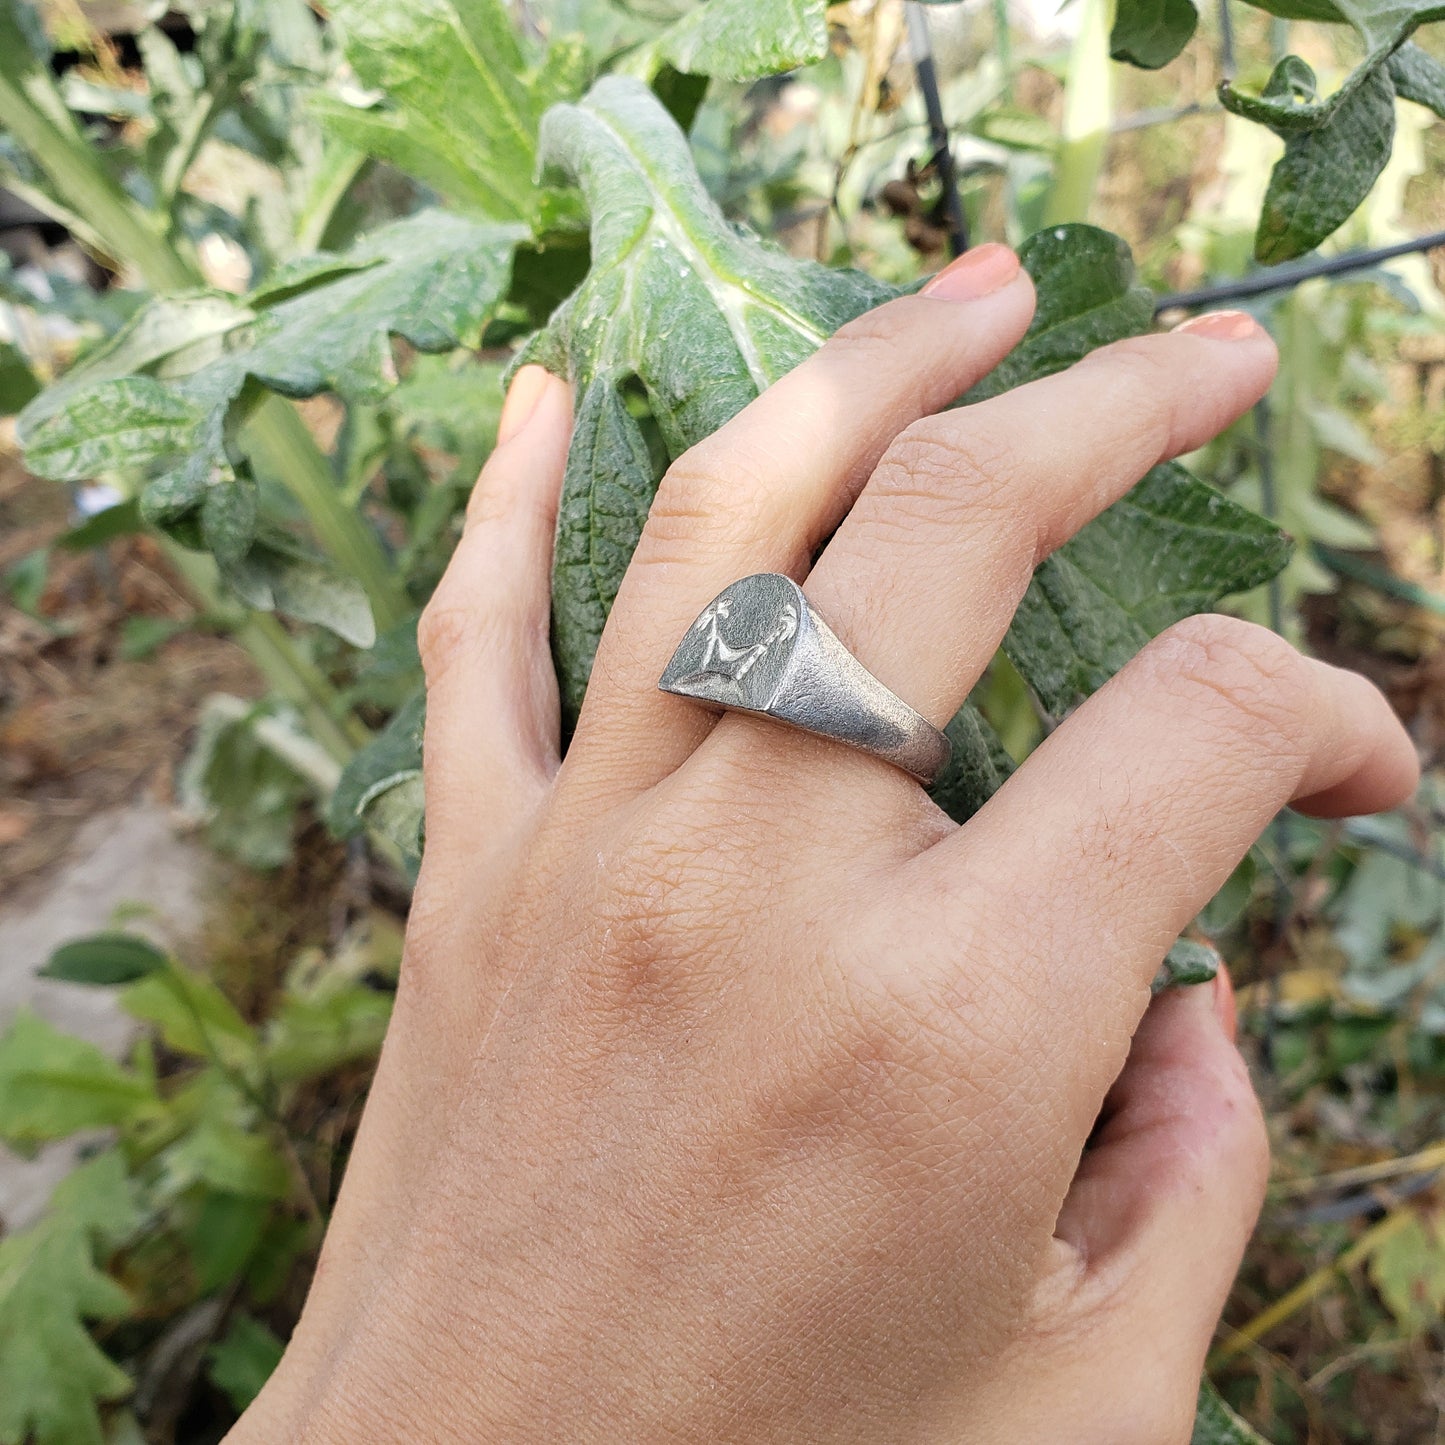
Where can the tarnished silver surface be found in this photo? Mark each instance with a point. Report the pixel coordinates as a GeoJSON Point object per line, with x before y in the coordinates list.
{"type": "Point", "coordinates": [759, 647]}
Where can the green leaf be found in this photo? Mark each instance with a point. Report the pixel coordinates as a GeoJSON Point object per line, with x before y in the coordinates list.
{"type": "Point", "coordinates": [229, 1158]}
{"type": "Point", "coordinates": [977, 768]}
{"type": "Point", "coordinates": [744, 39]}
{"type": "Point", "coordinates": [665, 264]}
{"type": "Point", "coordinates": [1408, 1269]}
{"type": "Point", "coordinates": [228, 527]}
{"type": "Point", "coordinates": [104, 958]}
{"type": "Point", "coordinates": [1216, 1424]}
{"type": "Point", "coordinates": [1227, 906]}
{"type": "Point", "coordinates": [434, 279]}
{"type": "Point", "coordinates": [26, 579]}
{"type": "Point", "coordinates": [166, 327]}
{"type": "Point", "coordinates": [1319, 183]}
{"type": "Point", "coordinates": [460, 104]}
{"type": "Point", "coordinates": [277, 574]}
{"type": "Point", "coordinates": [315, 1034]}
{"type": "Point", "coordinates": [391, 758]}
{"type": "Point", "coordinates": [53, 1084]}
{"type": "Point", "coordinates": [51, 1372]}
{"type": "Point", "coordinates": [17, 382]}
{"type": "Point", "coordinates": [1419, 77]}
{"type": "Point", "coordinates": [129, 422]}
{"type": "Point", "coordinates": [192, 1016]}
{"type": "Point", "coordinates": [1187, 963]}
{"type": "Point", "coordinates": [1150, 33]}
{"type": "Point", "coordinates": [244, 1360]}
{"type": "Point", "coordinates": [247, 794]}
{"type": "Point", "coordinates": [1327, 171]}
{"type": "Point", "coordinates": [1088, 296]}
{"type": "Point", "coordinates": [1170, 548]}
{"type": "Point", "coordinates": [224, 1236]}
{"type": "Point", "coordinates": [121, 520]}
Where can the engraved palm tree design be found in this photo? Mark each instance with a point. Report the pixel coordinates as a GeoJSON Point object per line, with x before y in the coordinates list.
{"type": "Point", "coordinates": [734, 663]}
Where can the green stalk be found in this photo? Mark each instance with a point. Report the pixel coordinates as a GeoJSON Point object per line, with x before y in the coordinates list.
{"type": "Point", "coordinates": [1003, 47]}
{"type": "Point", "coordinates": [294, 676]}
{"type": "Point", "coordinates": [1088, 113]}
{"type": "Point", "coordinates": [276, 440]}
{"type": "Point", "coordinates": [123, 230]}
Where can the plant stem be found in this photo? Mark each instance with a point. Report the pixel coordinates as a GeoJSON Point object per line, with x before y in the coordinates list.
{"type": "Point", "coordinates": [276, 440]}
{"type": "Point", "coordinates": [1088, 111]}
{"type": "Point", "coordinates": [279, 661]}
{"type": "Point", "coordinates": [124, 231]}
{"type": "Point", "coordinates": [1308, 1289]}
{"type": "Point", "coordinates": [1003, 47]}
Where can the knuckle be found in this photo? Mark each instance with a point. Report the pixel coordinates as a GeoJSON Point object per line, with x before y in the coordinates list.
{"type": "Point", "coordinates": [659, 917]}
{"type": "Point", "coordinates": [1147, 382]}
{"type": "Point", "coordinates": [964, 472]}
{"type": "Point", "coordinates": [456, 622]}
{"type": "Point", "coordinates": [442, 633]}
{"type": "Point", "coordinates": [711, 496]}
{"type": "Point", "coordinates": [1248, 672]}
{"type": "Point", "coordinates": [876, 334]}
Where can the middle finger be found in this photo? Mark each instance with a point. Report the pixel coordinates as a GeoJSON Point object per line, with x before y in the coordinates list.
{"type": "Point", "coordinates": [924, 576]}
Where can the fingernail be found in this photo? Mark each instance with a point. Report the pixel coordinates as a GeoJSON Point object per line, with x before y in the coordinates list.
{"type": "Point", "coordinates": [1224, 1006]}
{"type": "Point", "coordinates": [1222, 325]}
{"type": "Point", "coordinates": [979, 272]}
{"type": "Point", "coordinates": [526, 390]}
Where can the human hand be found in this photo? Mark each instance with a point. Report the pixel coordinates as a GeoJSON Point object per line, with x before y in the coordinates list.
{"type": "Point", "coordinates": [733, 1092]}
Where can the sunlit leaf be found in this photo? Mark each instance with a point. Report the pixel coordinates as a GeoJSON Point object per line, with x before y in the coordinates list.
{"type": "Point", "coordinates": [666, 265]}
{"type": "Point", "coordinates": [458, 101]}
{"type": "Point", "coordinates": [52, 1374]}
{"type": "Point", "coordinates": [744, 39]}
{"type": "Point", "coordinates": [192, 1016]}
{"type": "Point", "coordinates": [53, 1084]}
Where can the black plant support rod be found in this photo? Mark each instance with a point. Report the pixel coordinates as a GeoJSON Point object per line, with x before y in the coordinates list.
{"type": "Point", "coordinates": [922, 47]}
{"type": "Point", "coordinates": [1282, 278]}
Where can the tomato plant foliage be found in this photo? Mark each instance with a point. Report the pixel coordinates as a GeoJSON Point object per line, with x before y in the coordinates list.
{"type": "Point", "coordinates": [552, 210]}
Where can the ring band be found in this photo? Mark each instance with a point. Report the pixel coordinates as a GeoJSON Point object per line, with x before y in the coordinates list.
{"type": "Point", "coordinates": [759, 647]}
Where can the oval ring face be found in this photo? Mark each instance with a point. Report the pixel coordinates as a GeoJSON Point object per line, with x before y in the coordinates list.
{"type": "Point", "coordinates": [737, 652]}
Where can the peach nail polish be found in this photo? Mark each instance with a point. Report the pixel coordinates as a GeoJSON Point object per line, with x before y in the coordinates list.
{"type": "Point", "coordinates": [522, 398]}
{"type": "Point", "coordinates": [979, 272]}
{"type": "Point", "coordinates": [1221, 325]}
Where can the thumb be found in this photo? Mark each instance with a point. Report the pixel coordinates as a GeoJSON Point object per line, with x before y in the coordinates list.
{"type": "Point", "coordinates": [1164, 1201]}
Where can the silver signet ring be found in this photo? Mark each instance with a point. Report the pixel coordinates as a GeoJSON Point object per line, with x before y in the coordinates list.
{"type": "Point", "coordinates": [759, 647]}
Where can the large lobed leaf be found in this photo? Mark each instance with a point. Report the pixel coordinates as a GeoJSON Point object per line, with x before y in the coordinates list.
{"type": "Point", "coordinates": [458, 105]}
{"type": "Point", "coordinates": [163, 397]}
{"type": "Point", "coordinates": [742, 39]}
{"type": "Point", "coordinates": [686, 311]}
{"type": "Point", "coordinates": [679, 305]}
{"type": "Point", "coordinates": [51, 1372]}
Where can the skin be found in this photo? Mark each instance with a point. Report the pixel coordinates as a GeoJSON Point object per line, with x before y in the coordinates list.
{"type": "Point", "coordinates": [733, 1092]}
